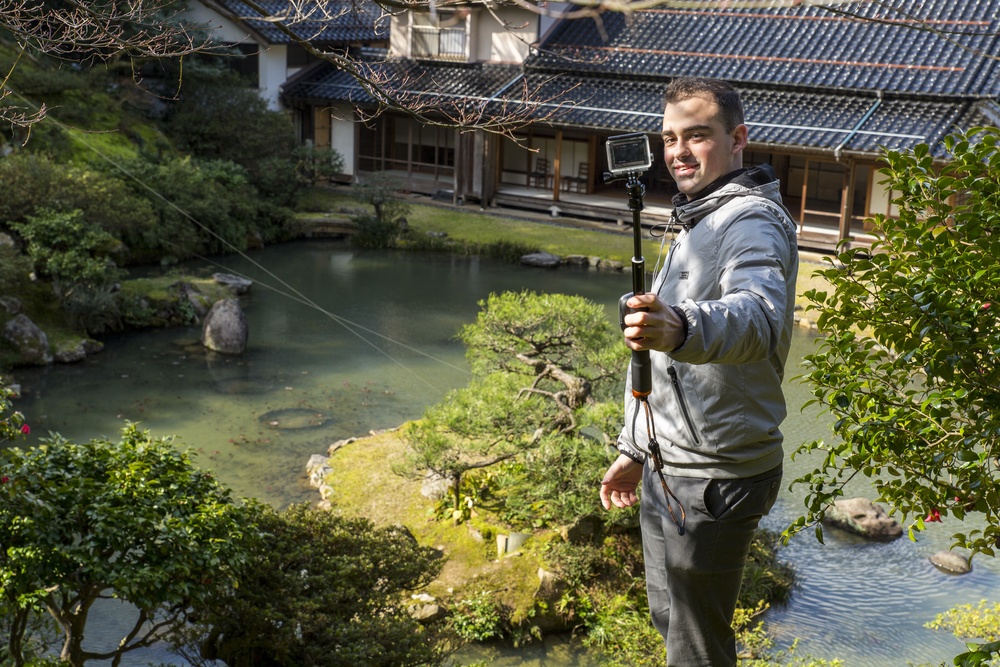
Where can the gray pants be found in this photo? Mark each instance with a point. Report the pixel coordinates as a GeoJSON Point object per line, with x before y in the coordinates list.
{"type": "Point", "coordinates": [693, 580]}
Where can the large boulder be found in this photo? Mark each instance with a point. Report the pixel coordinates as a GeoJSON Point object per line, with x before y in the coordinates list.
{"type": "Point", "coordinates": [226, 330]}
{"type": "Point", "coordinates": [28, 341]}
{"type": "Point", "coordinates": [863, 517]}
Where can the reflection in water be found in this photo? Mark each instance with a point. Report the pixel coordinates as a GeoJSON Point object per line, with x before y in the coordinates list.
{"type": "Point", "coordinates": [862, 602]}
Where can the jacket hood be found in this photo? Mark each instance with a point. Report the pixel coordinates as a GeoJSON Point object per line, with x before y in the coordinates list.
{"type": "Point", "coordinates": [760, 180]}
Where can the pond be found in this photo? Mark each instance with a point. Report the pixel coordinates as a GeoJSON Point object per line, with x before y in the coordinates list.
{"type": "Point", "coordinates": [343, 342]}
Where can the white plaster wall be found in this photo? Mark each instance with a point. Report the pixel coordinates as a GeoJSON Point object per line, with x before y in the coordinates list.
{"type": "Point", "coordinates": [880, 202]}
{"type": "Point", "coordinates": [342, 135]}
{"type": "Point", "coordinates": [494, 42]}
{"type": "Point", "coordinates": [272, 69]}
{"type": "Point", "coordinates": [220, 27]}
{"type": "Point", "coordinates": [399, 44]}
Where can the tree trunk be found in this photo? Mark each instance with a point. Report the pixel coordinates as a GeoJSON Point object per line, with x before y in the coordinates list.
{"type": "Point", "coordinates": [73, 625]}
{"type": "Point", "coordinates": [456, 492]}
{"type": "Point", "coordinates": [16, 639]}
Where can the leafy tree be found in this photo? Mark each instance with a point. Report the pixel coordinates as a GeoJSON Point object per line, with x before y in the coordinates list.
{"type": "Point", "coordinates": [909, 363]}
{"type": "Point", "coordinates": [340, 604]}
{"type": "Point", "coordinates": [221, 116]}
{"type": "Point", "coordinates": [544, 367]}
{"type": "Point", "coordinates": [131, 520]}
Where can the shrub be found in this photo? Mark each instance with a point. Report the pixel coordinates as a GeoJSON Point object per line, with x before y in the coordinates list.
{"type": "Point", "coordinates": [221, 116]}
{"type": "Point", "coordinates": [509, 252]}
{"type": "Point", "coordinates": [479, 618]}
{"type": "Point", "coordinates": [15, 270]}
{"type": "Point", "coordinates": [69, 251]}
{"type": "Point", "coordinates": [339, 583]}
{"type": "Point", "coordinates": [382, 228]}
{"type": "Point", "coordinates": [205, 206]}
{"type": "Point", "coordinates": [314, 164]}
{"type": "Point", "coordinates": [31, 183]}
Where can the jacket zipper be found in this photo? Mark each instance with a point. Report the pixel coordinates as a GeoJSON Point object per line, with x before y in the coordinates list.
{"type": "Point", "coordinates": [675, 381]}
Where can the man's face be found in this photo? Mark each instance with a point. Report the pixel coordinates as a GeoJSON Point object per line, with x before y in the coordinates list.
{"type": "Point", "coordinates": [696, 146]}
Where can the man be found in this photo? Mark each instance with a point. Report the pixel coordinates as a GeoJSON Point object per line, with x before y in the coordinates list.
{"type": "Point", "coordinates": [717, 324]}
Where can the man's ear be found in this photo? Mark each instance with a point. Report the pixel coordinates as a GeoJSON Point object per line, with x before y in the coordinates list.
{"type": "Point", "coordinates": [740, 137]}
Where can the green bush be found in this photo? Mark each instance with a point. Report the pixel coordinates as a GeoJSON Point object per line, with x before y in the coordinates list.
{"type": "Point", "coordinates": [315, 164]}
{"type": "Point", "coordinates": [532, 497]}
{"type": "Point", "coordinates": [31, 183]}
{"type": "Point", "coordinates": [479, 618]}
{"type": "Point", "coordinates": [203, 207]}
{"type": "Point", "coordinates": [373, 234]}
{"type": "Point", "coordinates": [15, 270]}
{"type": "Point", "coordinates": [69, 251]}
{"type": "Point", "coordinates": [320, 589]}
{"type": "Point", "coordinates": [28, 182]}
{"type": "Point", "coordinates": [93, 309]}
{"type": "Point", "coordinates": [509, 252]}
{"type": "Point", "coordinates": [382, 228]}
{"type": "Point", "coordinates": [221, 116]}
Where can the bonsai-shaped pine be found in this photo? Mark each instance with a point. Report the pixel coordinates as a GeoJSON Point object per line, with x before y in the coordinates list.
{"type": "Point", "coordinates": [544, 366]}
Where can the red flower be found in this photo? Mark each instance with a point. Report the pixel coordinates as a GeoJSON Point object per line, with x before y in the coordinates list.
{"type": "Point", "coordinates": [986, 306]}
{"type": "Point", "coordinates": [933, 516]}
{"type": "Point", "coordinates": [25, 429]}
{"type": "Point", "coordinates": [4, 479]}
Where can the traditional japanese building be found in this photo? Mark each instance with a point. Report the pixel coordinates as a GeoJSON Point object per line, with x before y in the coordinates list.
{"type": "Point", "coordinates": [826, 88]}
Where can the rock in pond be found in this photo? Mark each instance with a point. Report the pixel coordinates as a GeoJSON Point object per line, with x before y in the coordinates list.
{"type": "Point", "coordinates": [863, 517]}
{"type": "Point", "coordinates": [226, 330]}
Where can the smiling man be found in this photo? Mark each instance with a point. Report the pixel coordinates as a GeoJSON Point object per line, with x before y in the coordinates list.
{"type": "Point", "coordinates": [717, 324]}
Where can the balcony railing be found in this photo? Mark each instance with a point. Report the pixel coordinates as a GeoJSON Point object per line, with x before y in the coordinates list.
{"type": "Point", "coordinates": [439, 43]}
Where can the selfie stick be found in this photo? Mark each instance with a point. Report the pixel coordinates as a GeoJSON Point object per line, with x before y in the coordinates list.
{"type": "Point", "coordinates": [629, 156]}
{"type": "Point", "coordinates": [642, 378]}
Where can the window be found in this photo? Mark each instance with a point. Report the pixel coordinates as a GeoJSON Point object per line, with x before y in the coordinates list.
{"type": "Point", "coordinates": [445, 39]}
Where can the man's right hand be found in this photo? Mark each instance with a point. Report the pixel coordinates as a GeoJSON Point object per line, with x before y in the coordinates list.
{"type": "Point", "coordinates": [620, 482]}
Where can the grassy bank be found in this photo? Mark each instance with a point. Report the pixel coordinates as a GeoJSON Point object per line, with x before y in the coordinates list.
{"type": "Point", "coordinates": [561, 236]}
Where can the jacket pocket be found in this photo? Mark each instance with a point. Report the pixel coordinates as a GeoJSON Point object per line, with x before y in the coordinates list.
{"type": "Point", "coordinates": [685, 412]}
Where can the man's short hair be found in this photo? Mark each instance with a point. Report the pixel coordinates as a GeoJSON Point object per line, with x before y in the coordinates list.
{"type": "Point", "coordinates": [721, 92]}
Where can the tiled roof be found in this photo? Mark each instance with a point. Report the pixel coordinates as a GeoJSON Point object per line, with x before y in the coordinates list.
{"type": "Point", "coordinates": [319, 21]}
{"type": "Point", "coordinates": [938, 47]}
{"type": "Point", "coordinates": [414, 80]}
{"type": "Point", "coordinates": [828, 121]}
{"type": "Point", "coordinates": [842, 121]}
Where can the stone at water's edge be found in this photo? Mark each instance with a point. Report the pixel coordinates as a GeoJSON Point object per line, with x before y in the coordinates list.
{"type": "Point", "coordinates": [237, 284]}
{"type": "Point", "coordinates": [543, 259]}
{"type": "Point", "coordinates": [28, 341]}
{"type": "Point", "coordinates": [226, 330]}
{"type": "Point", "coordinates": [863, 517]}
{"type": "Point", "coordinates": [951, 562]}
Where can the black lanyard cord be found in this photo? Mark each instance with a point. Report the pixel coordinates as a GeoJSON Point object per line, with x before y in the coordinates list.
{"type": "Point", "coordinates": [654, 452]}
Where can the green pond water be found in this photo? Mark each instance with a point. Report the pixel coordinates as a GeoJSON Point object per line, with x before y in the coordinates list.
{"type": "Point", "coordinates": [343, 342]}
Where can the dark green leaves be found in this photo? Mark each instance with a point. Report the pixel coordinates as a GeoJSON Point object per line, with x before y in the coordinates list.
{"type": "Point", "coordinates": [908, 366]}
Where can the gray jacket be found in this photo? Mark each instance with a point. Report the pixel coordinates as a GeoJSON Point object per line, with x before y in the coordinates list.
{"type": "Point", "coordinates": [716, 400]}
